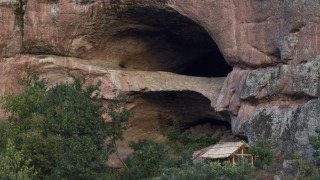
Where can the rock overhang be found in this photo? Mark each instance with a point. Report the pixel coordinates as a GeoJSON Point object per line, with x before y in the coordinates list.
{"type": "Point", "coordinates": [272, 45]}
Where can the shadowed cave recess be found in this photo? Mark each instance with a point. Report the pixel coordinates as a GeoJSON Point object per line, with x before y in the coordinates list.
{"type": "Point", "coordinates": [176, 43]}
{"type": "Point", "coordinates": [182, 47]}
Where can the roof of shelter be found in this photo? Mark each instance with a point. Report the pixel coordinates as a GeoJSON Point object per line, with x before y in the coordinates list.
{"type": "Point", "coordinates": [223, 150]}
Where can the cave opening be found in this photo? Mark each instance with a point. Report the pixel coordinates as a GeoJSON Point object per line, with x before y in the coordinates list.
{"type": "Point", "coordinates": [156, 111]}
{"type": "Point", "coordinates": [161, 39]}
{"type": "Point", "coordinates": [174, 43]}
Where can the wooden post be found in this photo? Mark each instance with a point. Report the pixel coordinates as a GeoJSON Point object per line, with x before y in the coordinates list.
{"type": "Point", "coordinates": [233, 160]}
{"type": "Point", "coordinates": [242, 153]}
{"type": "Point", "coordinates": [252, 161]}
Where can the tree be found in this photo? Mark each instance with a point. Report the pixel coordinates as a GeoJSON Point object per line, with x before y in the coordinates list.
{"type": "Point", "coordinates": [61, 129]}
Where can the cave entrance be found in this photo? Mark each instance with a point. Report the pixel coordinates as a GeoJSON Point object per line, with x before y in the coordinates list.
{"type": "Point", "coordinates": [171, 42]}
{"type": "Point", "coordinates": [156, 111]}
{"type": "Point", "coordinates": [158, 38]}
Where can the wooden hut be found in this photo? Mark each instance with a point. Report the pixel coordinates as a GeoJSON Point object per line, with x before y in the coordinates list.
{"type": "Point", "coordinates": [229, 151]}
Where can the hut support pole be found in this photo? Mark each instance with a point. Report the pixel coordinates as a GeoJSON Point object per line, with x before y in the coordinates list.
{"type": "Point", "coordinates": [252, 161]}
{"type": "Point", "coordinates": [242, 153]}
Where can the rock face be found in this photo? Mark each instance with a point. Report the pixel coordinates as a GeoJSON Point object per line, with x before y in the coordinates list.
{"type": "Point", "coordinates": [273, 47]}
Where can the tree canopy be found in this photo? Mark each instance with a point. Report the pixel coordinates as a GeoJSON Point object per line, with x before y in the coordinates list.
{"type": "Point", "coordinates": [60, 131]}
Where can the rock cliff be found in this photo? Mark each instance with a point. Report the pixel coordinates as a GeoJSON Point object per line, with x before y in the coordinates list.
{"type": "Point", "coordinates": [171, 57]}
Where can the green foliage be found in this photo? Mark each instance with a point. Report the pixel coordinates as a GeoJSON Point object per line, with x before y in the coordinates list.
{"type": "Point", "coordinates": [195, 143]}
{"type": "Point", "coordinates": [69, 111]}
{"type": "Point", "coordinates": [119, 115]}
{"type": "Point", "coordinates": [201, 141]}
{"type": "Point", "coordinates": [61, 130]}
{"type": "Point", "coordinates": [82, 159]}
{"type": "Point", "coordinates": [147, 157]}
{"type": "Point", "coordinates": [14, 166]}
{"type": "Point", "coordinates": [315, 143]}
{"type": "Point", "coordinates": [6, 132]}
{"type": "Point", "coordinates": [151, 160]}
{"type": "Point", "coordinates": [307, 171]}
{"type": "Point", "coordinates": [22, 106]}
{"type": "Point", "coordinates": [43, 151]}
{"type": "Point", "coordinates": [174, 134]}
{"type": "Point", "coordinates": [264, 150]}
{"type": "Point", "coordinates": [184, 137]}
{"type": "Point", "coordinates": [207, 171]}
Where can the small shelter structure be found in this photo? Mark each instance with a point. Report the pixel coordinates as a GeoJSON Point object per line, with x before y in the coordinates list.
{"type": "Point", "coordinates": [229, 151]}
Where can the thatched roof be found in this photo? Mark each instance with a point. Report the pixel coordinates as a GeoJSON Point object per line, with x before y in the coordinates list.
{"type": "Point", "coordinates": [223, 150]}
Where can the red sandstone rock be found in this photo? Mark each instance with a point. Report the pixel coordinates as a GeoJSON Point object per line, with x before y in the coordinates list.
{"type": "Point", "coordinates": [258, 33]}
{"type": "Point", "coordinates": [10, 29]}
{"type": "Point", "coordinates": [272, 45]}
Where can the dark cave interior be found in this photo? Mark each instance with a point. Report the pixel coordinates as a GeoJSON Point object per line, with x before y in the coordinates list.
{"type": "Point", "coordinates": [178, 44]}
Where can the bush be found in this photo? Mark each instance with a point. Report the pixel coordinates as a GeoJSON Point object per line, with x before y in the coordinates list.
{"type": "Point", "coordinates": [174, 134]}
{"type": "Point", "coordinates": [195, 143]}
{"type": "Point", "coordinates": [264, 150]}
{"type": "Point", "coordinates": [147, 158]}
{"type": "Point", "coordinates": [307, 171]}
{"type": "Point", "coordinates": [315, 143]}
{"type": "Point", "coordinates": [201, 141]}
{"type": "Point", "coordinates": [207, 171]}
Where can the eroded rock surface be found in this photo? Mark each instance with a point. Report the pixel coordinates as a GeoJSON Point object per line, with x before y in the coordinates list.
{"type": "Point", "coordinates": [273, 46]}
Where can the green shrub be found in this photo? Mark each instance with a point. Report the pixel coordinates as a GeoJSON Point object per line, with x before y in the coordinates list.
{"type": "Point", "coordinates": [184, 137]}
{"type": "Point", "coordinates": [264, 150]}
{"type": "Point", "coordinates": [315, 143]}
{"type": "Point", "coordinates": [195, 143]}
{"type": "Point", "coordinates": [147, 158]}
{"type": "Point", "coordinates": [174, 134]}
{"type": "Point", "coordinates": [201, 141]}
{"type": "Point", "coordinates": [307, 171]}
{"type": "Point", "coordinates": [207, 171]}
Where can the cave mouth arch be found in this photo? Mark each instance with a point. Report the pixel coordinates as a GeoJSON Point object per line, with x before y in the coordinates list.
{"type": "Point", "coordinates": [174, 43]}
{"type": "Point", "coordinates": [156, 111]}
